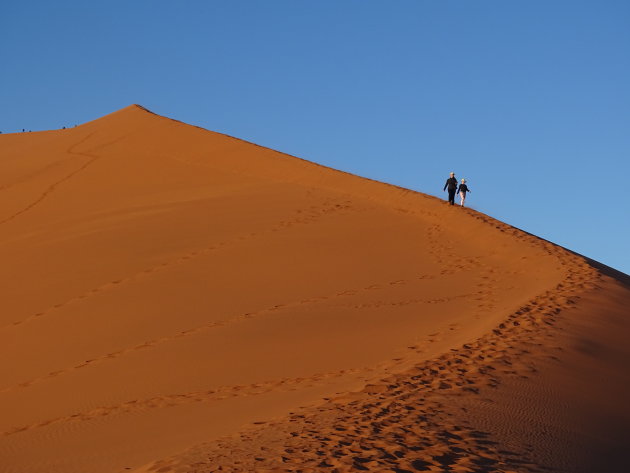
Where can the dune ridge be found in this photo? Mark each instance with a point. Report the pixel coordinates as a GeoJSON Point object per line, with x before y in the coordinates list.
{"type": "Point", "coordinates": [180, 300]}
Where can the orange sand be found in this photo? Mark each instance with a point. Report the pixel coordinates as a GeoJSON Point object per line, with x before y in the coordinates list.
{"type": "Point", "coordinates": [179, 300]}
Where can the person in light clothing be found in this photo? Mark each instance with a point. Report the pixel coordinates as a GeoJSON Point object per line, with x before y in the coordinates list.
{"type": "Point", "coordinates": [462, 189]}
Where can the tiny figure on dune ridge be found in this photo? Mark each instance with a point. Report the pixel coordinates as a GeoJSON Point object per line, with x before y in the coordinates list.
{"type": "Point", "coordinates": [451, 184]}
{"type": "Point", "coordinates": [462, 189]}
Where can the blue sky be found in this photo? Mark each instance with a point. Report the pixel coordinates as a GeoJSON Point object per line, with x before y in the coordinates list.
{"type": "Point", "coordinates": [528, 100]}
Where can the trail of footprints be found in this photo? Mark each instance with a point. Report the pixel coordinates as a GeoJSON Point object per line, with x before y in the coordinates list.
{"type": "Point", "coordinates": [405, 423]}
{"type": "Point", "coordinates": [215, 394]}
{"type": "Point", "coordinates": [312, 215]}
{"type": "Point", "coordinates": [451, 264]}
{"type": "Point", "coordinates": [52, 187]}
{"type": "Point", "coordinates": [229, 391]}
{"type": "Point", "coordinates": [239, 318]}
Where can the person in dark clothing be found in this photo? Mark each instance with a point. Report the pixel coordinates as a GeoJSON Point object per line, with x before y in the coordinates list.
{"type": "Point", "coordinates": [461, 190]}
{"type": "Point", "coordinates": [451, 183]}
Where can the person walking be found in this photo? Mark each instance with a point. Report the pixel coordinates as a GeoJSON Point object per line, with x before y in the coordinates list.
{"type": "Point", "coordinates": [451, 184]}
{"type": "Point", "coordinates": [461, 190]}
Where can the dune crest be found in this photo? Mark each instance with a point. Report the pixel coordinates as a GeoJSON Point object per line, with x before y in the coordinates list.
{"type": "Point", "coordinates": [177, 300]}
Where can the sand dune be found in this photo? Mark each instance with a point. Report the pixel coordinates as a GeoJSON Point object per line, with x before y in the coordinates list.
{"type": "Point", "coordinates": [177, 300]}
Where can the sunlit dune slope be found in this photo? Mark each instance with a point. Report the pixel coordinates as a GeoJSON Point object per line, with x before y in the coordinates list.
{"type": "Point", "coordinates": [164, 285]}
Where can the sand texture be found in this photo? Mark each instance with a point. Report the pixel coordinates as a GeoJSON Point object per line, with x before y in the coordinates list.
{"type": "Point", "coordinates": [177, 300]}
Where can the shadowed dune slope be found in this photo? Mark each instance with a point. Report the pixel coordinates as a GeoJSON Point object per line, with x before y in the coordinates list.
{"type": "Point", "coordinates": [179, 300]}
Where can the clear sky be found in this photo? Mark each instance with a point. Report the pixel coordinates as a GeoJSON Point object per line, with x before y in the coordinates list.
{"type": "Point", "coordinates": [527, 99]}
